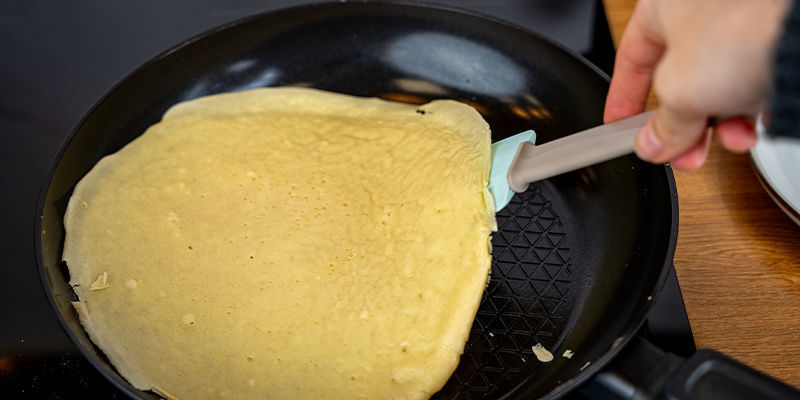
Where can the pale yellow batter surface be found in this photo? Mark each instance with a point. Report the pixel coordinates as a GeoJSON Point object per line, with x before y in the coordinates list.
{"type": "Point", "coordinates": [286, 243]}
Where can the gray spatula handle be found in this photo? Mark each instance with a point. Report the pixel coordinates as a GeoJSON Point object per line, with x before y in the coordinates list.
{"type": "Point", "coordinates": [592, 146]}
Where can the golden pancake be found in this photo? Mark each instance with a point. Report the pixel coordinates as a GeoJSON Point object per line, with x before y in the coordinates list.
{"type": "Point", "coordinates": [286, 243]}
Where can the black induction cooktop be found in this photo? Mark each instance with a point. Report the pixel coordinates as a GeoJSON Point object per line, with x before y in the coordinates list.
{"type": "Point", "coordinates": [59, 57]}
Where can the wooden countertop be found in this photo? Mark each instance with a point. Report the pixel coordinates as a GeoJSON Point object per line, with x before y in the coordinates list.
{"type": "Point", "coordinates": [737, 258]}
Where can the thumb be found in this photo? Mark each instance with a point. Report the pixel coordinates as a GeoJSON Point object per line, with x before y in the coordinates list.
{"type": "Point", "coordinates": [670, 133]}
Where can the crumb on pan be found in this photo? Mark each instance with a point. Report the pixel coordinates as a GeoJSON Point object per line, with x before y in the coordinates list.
{"type": "Point", "coordinates": [541, 353]}
{"type": "Point", "coordinates": [101, 282]}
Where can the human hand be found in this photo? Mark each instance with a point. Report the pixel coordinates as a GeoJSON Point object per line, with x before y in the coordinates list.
{"type": "Point", "coordinates": [704, 59]}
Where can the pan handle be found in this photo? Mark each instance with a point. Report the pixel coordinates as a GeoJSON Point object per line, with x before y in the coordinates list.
{"type": "Point", "coordinates": [642, 371]}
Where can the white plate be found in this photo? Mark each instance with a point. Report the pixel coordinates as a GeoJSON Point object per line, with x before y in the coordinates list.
{"type": "Point", "coordinates": [777, 161]}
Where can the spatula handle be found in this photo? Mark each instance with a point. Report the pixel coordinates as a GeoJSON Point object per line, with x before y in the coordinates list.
{"type": "Point", "coordinates": [592, 146]}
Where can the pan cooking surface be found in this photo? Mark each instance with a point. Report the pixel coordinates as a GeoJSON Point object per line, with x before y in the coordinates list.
{"type": "Point", "coordinates": [528, 299]}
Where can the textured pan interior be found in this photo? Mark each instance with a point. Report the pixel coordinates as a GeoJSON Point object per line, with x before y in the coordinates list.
{"type": "Point", "coordinates": [577, 256]}
{"type": "Point", "coordinates": [531, 294]}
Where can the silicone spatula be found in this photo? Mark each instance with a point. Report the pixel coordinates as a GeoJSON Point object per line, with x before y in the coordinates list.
{"type": "Point", "coordinates": [517, 162]}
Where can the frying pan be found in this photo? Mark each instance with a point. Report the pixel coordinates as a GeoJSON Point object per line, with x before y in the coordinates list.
{"type": "Point", "coordinates": [577, 259]}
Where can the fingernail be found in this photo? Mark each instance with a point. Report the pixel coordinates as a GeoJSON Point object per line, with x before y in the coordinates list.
{"type": "Point", "coordinates": [648, 145]}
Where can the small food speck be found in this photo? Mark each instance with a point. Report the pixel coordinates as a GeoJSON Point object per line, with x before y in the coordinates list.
{"type": "Point", "coordinates": [541, 353]}
{"type": "Point", "coordinates": [101, 282]}
{"type": "Point", "coordinates": [491, 334]}
{"type": "Point", "coordinates": [188, 319]}
{"type": "Point", "coordinates": [132, 283]}
{"type": "Point", "coordinates": [585, 365]}
{"type": "Point", "coordinates": [421, 112]}
{"type": "Point", "coordinates": [568, 354]}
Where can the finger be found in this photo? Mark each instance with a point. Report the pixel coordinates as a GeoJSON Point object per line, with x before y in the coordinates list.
{"type": "Point", "coordinates": [736, 134]}
{"type": "Point", "coordinates": [639, 51]}
{"type": "Point", "coordinates": [695, 157]}
{"type": "Point", "coordinates": [669, 134]}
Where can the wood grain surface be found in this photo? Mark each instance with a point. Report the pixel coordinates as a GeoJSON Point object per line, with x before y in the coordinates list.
{"type": "Point", "coordinates": [737, 257]}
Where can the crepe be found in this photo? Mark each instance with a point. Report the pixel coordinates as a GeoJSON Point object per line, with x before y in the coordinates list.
{"type": "Point", "coordinates": [286, 243]}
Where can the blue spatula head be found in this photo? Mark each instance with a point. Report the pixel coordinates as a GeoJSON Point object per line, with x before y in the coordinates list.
{"type": "Point", "coordinates": [502, 154]}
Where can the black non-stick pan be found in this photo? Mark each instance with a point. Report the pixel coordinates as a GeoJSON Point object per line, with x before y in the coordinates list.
{"type": "Point", "coordinates": [577, 259]}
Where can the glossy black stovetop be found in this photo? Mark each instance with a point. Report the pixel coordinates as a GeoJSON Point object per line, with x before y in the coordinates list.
{"type": "Point", "coordinates": [61, 57]}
